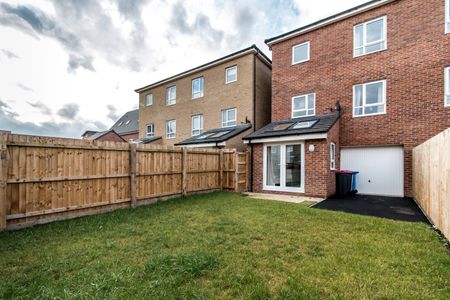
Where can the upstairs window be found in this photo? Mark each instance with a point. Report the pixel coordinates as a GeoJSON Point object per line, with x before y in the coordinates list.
{"type": "Point", "coordinates": [150, 130]}
{"type": "Point", "coordinates": [303, 105]}
{"type": "Point", "coordinates": [447, 16]}
{"type": "Point", "coordinates": [369, 99]}
{"type": "Point", "coordinates": [197, 125]}
{"type": "Point", "coordinates": [370, 37]}
{"type": "Point", "coordinates": [149, 100]}
{"type": "Point", "coordinates": [171, 129]}
{"type": "Point", "coordinates": [171, 95]}
{"type": "Point", "coordinates": [333, 156]}
{"type": "Point", "coordinates": [231, 74]}
{"type": "Point", "coordinates": [447, 86]}
{"type": "Point", "coordinates": [229, 117]}
{"type": "Point", "coordinates": [300, 53]}
{"type": "Point", "coordinates": [197, 88]}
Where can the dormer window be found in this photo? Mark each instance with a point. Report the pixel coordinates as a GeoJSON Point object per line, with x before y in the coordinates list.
{"type": "Point", "coordinates": [370, 37]}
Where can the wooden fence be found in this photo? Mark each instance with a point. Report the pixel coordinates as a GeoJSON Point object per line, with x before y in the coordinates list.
{"type": "Point", "coordinates": [431, 180]}
{"type": "Point", "coordinates": [46, 179]}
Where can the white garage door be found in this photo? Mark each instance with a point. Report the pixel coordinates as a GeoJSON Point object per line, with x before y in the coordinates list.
{"type": "Point", "coordinates": [380, 169]}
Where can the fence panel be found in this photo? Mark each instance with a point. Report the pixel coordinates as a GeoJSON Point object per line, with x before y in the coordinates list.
{"type": "Point", "coordinates": [44, 179]}
{"type": "Point", "coordinates": [431, 180]}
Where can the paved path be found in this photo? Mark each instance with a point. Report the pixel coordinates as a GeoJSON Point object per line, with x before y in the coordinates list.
{"type": "Point", "coordinates": [283, 198]}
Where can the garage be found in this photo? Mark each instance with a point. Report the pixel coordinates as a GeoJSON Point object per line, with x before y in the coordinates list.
{"type": "Point", "coordinates": [381, 169]}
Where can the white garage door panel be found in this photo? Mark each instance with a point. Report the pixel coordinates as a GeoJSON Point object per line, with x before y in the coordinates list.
{"type": "Point", "coordinates": [380, 169]}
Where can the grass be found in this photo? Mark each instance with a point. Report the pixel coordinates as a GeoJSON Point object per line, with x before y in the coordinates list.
{"type": "Point", "coordinates": [227, 246]}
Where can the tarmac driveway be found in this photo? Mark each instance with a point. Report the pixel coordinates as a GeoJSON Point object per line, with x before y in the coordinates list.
{"type": "Point", "coordinates": [402, 209]}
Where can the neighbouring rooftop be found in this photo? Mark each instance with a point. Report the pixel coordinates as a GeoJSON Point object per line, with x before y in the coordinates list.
{"type": "Point", "coordinates": [217, 135]}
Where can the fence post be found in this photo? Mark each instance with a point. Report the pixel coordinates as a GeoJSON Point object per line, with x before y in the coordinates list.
{"type": "Point", "coordinates": [3, 178]}
{"type": "Point", "coordinates": [184, 174]}
{"type": "Point", "coordinates": [236, 171]}
{"type": "Point", "coordinates": [133, 154]}
{"type": "Point", "coordinates": [221, 169]}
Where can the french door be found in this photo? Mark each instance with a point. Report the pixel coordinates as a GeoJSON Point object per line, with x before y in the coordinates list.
{"type": "Point", "coordinates": [284, 167]}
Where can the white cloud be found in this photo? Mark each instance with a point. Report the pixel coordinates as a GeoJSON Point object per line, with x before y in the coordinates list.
{"type": "Point", "coordinates": [95, 53]}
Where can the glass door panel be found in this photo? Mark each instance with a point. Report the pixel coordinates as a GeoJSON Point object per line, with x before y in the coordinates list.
{"type": "Point", "coordinates": [293, 174]}
{"type": "Point", "coordinates": [273, 165]}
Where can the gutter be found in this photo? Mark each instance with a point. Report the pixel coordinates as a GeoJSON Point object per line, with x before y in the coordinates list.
{"type": "Point", "coordinates": [327, 21]}
{"type": "Point", "coordinates": [251, 49]}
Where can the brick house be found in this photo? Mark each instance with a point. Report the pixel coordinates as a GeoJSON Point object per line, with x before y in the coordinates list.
{"type": "Point", "coordinates": [126, 129]}
{"type": "Point", "coordinates": [213, 105]}
{"type": "Point", "coordinates": [358, 90]}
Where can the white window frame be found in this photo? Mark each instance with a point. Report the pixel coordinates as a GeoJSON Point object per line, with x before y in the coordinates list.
{"type": "Point", "coordinates": [447, 88]}
{"type": "Point", "coordinates": [447, 16]}
{"type": "Point", "coordinates": [282, 187]}
{"type": "Point", "coordinates": [306, 106]}
{"type": "Point", "coordinates": [308, 53]}
{"type": "Point", "coordinates": [364, 105]}
{"type": "Point", "coordinates": [171, 135]}
{"type": "Point", "coordinates": [226, 74]}
{"type": "Point", "coordinates": [146, 99]}
{"type": "Point", "coordinates": [168, 100]}
{"type": "Point", "coordinates": [197, 131]}
{"type": "Point", "coordinates": [225, 124]}
{"type": "Point", "coordinates": [333, 156]}
{"type": "Point", "coordinates": [153, 129]}
{"type": "Point", "coordinates": [384, 18]}
{"type": "Point", "coordinates": [196, 95]}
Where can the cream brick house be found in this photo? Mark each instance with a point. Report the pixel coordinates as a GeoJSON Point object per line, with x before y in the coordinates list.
{"type": "Point", "coordinates": [213, 105]}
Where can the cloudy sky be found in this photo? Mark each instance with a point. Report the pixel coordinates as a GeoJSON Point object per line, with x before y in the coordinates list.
{"type": "Point", "coordinates": [71, 65]}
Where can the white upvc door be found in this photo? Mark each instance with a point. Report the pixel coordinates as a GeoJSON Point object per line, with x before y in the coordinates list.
{"type": "Point", "coordinates": [284, 167]}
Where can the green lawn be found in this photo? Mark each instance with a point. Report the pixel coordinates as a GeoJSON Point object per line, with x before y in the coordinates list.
{"type": "Point", "coordinates": [226, 246]}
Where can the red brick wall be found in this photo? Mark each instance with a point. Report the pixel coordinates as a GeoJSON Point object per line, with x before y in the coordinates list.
{"type": "Point", "coordinates": [133, 136]}
{"type": "Point", "coordinates": [319, 179]}
{"type": "Point", "coordinates": [111, 137]}
{"type": "Point", "coordinates": [413, 65]}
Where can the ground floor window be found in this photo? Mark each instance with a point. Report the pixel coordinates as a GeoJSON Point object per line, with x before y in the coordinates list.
{"type": "Point", "coordinates": [284, 167]}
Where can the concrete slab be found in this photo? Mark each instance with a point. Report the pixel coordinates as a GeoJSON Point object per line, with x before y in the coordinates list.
{"type": "Point", "coordinates": [283, 198]}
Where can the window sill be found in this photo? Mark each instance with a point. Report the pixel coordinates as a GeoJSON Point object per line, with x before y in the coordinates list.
{"type": "Point", "coordinates": [230, 81]}
{"type": "Point", "coordinates": [300, 62]}
{"type": "Point", "coordinates": [371, 115]}
{"type": "Point", "coordinates": [280, 189]}
{"type": "Point", "coordinates": [365, 54]}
